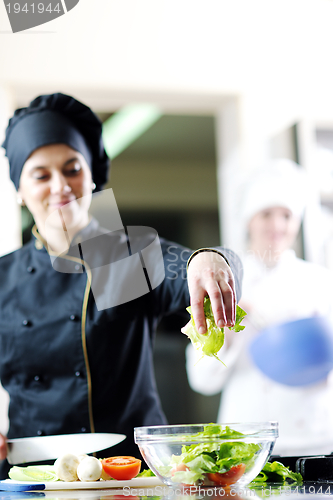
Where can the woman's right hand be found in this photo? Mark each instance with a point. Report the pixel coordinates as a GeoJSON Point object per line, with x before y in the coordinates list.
{"type": "Point", "coordinates": [3, 447]}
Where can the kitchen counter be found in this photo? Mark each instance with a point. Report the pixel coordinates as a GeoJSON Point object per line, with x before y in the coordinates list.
{"type": "Point", "coordinates": [310, 490]}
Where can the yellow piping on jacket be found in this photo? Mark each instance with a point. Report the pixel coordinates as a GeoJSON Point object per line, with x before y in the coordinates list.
{"type": "Point", "coordinates": [83, 321]}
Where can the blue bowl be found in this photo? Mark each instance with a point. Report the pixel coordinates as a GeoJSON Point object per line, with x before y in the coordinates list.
{"type": "Point", "coordinates": [295, 353]}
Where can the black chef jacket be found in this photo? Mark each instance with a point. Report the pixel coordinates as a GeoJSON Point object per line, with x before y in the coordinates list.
{"type": "Point", "coordinates": [69, 367]}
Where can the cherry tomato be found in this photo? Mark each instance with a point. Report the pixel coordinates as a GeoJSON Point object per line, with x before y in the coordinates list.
{"type": "Point", "coordinates": [181, 467]}
{"type": "Point", "coordinates": [227, 478]}
{"type": "Point", "coordinates": [121, 497]}
{"type": "Point", "coordinates": [121, 468]}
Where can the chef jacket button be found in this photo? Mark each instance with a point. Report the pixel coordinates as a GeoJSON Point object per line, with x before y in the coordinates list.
{"type": "Point", "coordinates": [40, 433]}
{"type": "Point", "coordinates": [77, 267]}
{"type": "Point", "coordinates": [73, 317]}
{"type": "Point", "coordinates": [78, 374]}
{"type": "Point", "coordinates": [30, 269]}
{"type": "Point", "coordinates": [38, 245]}
{"type": "Point", "coordinates": [36, 377]}
{"type": "Point", "coordinates": [83, 429]}
{"type": "Point", "coordinates": [26, 322]}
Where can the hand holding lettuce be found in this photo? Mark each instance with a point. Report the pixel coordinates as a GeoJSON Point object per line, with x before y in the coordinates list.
{"type": "Point", "coordinates": [209, 344]}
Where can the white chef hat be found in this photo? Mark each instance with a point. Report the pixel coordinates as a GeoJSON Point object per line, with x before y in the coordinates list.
{"type": "Point", "coordinates": [279, 183]}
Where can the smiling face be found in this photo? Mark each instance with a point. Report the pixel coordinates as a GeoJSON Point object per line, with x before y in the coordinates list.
{"type": "Point", "coordinates": [272, 231]}
{"type": "Point", "coordinates": [56, 177]}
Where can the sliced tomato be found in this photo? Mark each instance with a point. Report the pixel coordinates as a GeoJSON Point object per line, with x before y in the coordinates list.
{"type": "Point", "coordinates": [121, 468]}
{"type": "Point", "coordinates": [227, 478]}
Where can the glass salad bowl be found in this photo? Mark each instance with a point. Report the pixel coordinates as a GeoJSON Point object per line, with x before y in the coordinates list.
{"type": "Point", "coordinates": [207, 455]}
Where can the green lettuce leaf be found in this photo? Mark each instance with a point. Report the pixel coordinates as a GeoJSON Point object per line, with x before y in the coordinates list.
{"type": "Point", "coordinates": [146, 473]}
{"type": "Point", "coordinates": [209, 344]}
{"type": "Point", "coordinates": [203, 458]}
{"type": "Point", "coordinates": [187, 476]}
{"type": "Point", "coordinates": [217, 430]}
{"type": "Point", "coordinates": [275, 472]}
{"type": "Point", "coordinates": [199, 462]}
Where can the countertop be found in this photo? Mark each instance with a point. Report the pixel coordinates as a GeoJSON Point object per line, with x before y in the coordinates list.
{"type": "Point", "coordinates": [314, 490]}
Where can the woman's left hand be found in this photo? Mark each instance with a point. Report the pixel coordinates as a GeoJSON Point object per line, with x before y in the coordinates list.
{"type": "Point", "coordinates": [209, 274]}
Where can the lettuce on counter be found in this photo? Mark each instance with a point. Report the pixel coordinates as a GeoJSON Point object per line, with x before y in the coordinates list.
{"type": "Point", "coordinates": [275, 472]}
{"type": "Point", "coordinates": [146, 473]}
{"type": "Point", "coordinates": [209, 344]}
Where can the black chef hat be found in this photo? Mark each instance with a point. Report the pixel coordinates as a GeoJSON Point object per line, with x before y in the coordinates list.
{"type": "Point", "coordinates": [52, 119]}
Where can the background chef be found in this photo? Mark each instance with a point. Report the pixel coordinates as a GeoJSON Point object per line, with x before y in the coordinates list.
{"type": "Point", "coordinates": [278, 287]}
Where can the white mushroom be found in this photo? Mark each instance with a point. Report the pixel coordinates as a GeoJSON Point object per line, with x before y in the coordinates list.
{"type": "Point", "coordinates": [89, 469]}
{"type": "Point", "coordinates": [66, 467]}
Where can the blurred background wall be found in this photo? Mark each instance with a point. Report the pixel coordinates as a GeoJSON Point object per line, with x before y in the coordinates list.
{"type": "Point", "coordinates": [232, 84]}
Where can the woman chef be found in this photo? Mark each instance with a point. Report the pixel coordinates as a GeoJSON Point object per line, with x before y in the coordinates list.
{"type": "Point", "coordinates": [68, 365]}
{"type": "Point", "coordinates": [277, 287]}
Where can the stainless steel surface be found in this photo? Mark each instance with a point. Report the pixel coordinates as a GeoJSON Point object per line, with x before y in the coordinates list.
{"type": "Point", "coordinates": [313, 491]}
